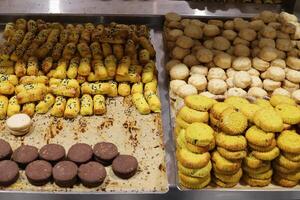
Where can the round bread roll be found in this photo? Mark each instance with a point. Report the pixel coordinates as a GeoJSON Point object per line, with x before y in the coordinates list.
{"type": "Point", "coordinates": [173, 34]}
{"type": "Point", "coordinates": [190, 60]}
{"type": "Point", "coordinates": [296, 96]}
{"type": "Point", "coordinates": [208, 94]}
{"type": "Point", "coordinates": [179, 71]}
{"type": "Point", "coordinates": [242, 79]}
{"type": "Point", "coordinates": [216, 22]}
{"type": "Point", "coordinates": [223, 60]}
{"type": "Point", "coordinates": [171, 63]}
{"type": "Point", "coordinates": [256, 82]}
{"type": "Point", "coordinates": [174, 24]}
{"type": "Point", "coordinates": [185, 22]}
{"type": "Point", "coordinates": [281, 54]}
{"type": "Point", "coordinates": [285, 17]}
{"type": "Point", "coordinates": [199, 69]}
{"type": "Point", "coordinates": [253, 72]}
{"type": "Point", "coordinates": [217, 86]}
{"type": "Point", "coordinates": [284, 44]}
{"type": "Point", "coordinates": [256, 25]}
{"type": "Point", "coordinates": [236, 92]}
{"type": "Point", "coordinates": [271, 85]}
{"type": "Point", "coordinates": [198, 81]}
{"type": "Point", "coordinates": [193, 31]}
{"type": "Point", "coordinates": [241, 50]}
{"type": "Point", "coordinates": [240, 24]}
{"type": "Point", "coordinates": [211, 30]}
{"type": "Point", "coordinates": [204, 55]}
{"type": "Point", "coordinates": [171, 16]}
{"type": "Point", "coordinates": [216, 73]}
{"type": "Point", "coordinates": [281, 91]}
{"type": "Point", "coordinates": [175, 84]}
{"type": "Point", "coordinates": [268, 32]}
{"type": "Point", "coordinates": [257, 92]}
{"type": "Point", "coordinates": [239, 40]}
{"type": "Point", "coordinates": [229, 34]}
{"type": "Point", "coordinates": [266, 42]}
{"type": "Point", "coordinates": [276, 73]}
{"type": "Point", "coordinates": [230, 72]}
{"type": "Point", "coordinates": [282, 35]}
{"type": "Point", "coordinates": [229, 82]}
{"type": "Point", "coordinates": [197, 22]}
{"type": "Point", "coordinates": [179, 53]}
{"type": "Point", "coordinates": [275, 25]}
{"type": "Point", "coordinates": [293, 62]}
{"type": "Point", "coordinates": [267, 16]}
{"type": "Point", "coordinates": [247, 34]}
{"type": "Point", "coordinates": [241, 63]}
{"type": "Point", "coordinates": [278, 63]}
{"type": "Point", "coordinates": [293, 75]}
{"type": "Point", "coordinates": [208, 44]}
{"type": "Point", "coordinates": [229, 25]}
{"type": "Point", "coordinates": [184, 42]}
{"type": "Point", "coordinates": [255, 52]}
{"type": "Point", "coordinates": [186, 90]}
{"type": "Point", "coordinates": [221, 43]}
{"type": "Point", "coordinates": [268, 54]}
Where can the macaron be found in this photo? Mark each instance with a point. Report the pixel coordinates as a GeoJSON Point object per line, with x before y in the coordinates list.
{"type": "Point", "coordinates": [19, 124]}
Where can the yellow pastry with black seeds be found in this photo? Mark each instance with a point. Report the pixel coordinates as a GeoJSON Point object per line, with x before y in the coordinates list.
{"type": "Point", "coordinates": [265, 175]}
{"type": "Point", "coordinates": [231, 143]}
{"type": "Point", "coordinates": [283, 161]}
{"type": "Point", "coordinates": [263, 103]}
{"type": "Point", "coordinates": [182, 123]}
{"type": "Point", "coordinates": [202, 172]}
{"type": "Point", "coordinates": [199, 134]}
{"type": "Point", "coordinates": [281, 99]}
{"type": "Point", "coordinates": [264, 167]}
{"type": "Point", "coordinates": [192, 182]}
{"type": "Point", "coordinates": [290, 114]}
{"type": "Point", "coordinates": [190, 115]}
{"type": "Point", "coordinates": [258, 137]}
{"type": "Point", "coordinates": [218, 108]}
{"type": "Point", "coordinates": [232, 178]}
{"type": "Point", "coordinates": [199, 102]}
{"type": "Point", "coordinates": [269, 155]}
{"type": "Point", "coordinates": [289, 141]}
{"type": "Point", "coordinates": [233, 122]}
{"type": "Point", "coordinates": [284, 182]}
{"type": "Point", "coordinates": [292, 156]}
{"type": "Point", "coordinates": [191, 160]}
{"type": "Point", "coordinates": [236, 102]}
{"type": "Point", "coordinates": [249, 110]}
{"type": "Point", "coordinates": [222, 184]}
{"type": "Point", "coordinates": [268, 120]}
{"type": "Point", "coordinates": [263, 149]}
{"type": "Point", "coordinates": [252, 162]}
{"type": "Point", "coordinates": [256, 182]}
{"type": "Point", "coordinates": [232, 155]}
{"type": "Point", "coordinates": [223, 164]}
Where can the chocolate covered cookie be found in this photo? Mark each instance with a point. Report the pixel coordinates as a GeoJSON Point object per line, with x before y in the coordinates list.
{"type": "Point", "coordinates": [65, 173]}
{"type": "Point", "coordinates": [91, 174]}
{"type": "Point", "coordinates": [105, 152]}
{"type": "Point", "coordinates": [9, 172]}
{"type": "Point", "coordinates": [52, 153]}
{"type": "Point", "coordinates": [124, 166]}
{"type": "Point", "coordinates": [38, 172]}
{"type": "Point", "coordinates": [80, 153]}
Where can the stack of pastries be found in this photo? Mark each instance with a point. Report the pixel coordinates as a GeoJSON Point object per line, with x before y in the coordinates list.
{"type": "Point", "coordinates": [71, 69]}
{"type": "Point", "coordinates": [247, 142]}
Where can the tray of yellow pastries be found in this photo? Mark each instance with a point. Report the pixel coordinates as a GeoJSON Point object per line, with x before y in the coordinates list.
{"type": "Point", "coordinates": [233, 132]}
{"type": "Point", "coordinates": [81, 85]}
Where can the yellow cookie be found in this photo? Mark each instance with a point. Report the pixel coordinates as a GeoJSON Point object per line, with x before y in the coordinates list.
{"type": "Point", "coordinates": [233, 122]}
{"type": "Point", "coordinates": [224, 164]}
{"type": "Point", "coordinates": [289, 141]}
{"type": "Point", "coordinates": [199, 102]}
{"type": "Point", "coordinates": [177, 130]}
{"type": "Point", "coordinates": [258, 137]}
{"type": "Point", "coordinates": [190, 115]}
{"type": "Point", "coordinates": [294, 176]}
{"type": "Point", "coordinates": [180, 140]}
{"type": "Point", "coordinates": [269, 155]}
{"type": "Point", "coordinates": [284, 182]}
{"type": "Point", "coordinates": [222, 184]}
{"type": "Point", "coordinates": [218, 108]}
{"type": "Point", "coordinates": [236, 102]}
{"type": "Point", "coordinates": [263, 149]}
{"type": "Point", "coordinates": [292, 156]}
{"type": "Point", "coordinates": [249, 110]}
{"type": "Point", "coordinates": [231, 155]}
{"type": "Point", "coordinates": [199, 134]}
{"type": "Point", "coordinates": [192, 182]}
{"type": "Point", "coordinates": [252, 162]}
{"type": "Point", "coordinates": [180, 122]}
{"type": "Point", "coordinates": [265, 167]}
{"type": "Point", "coordinates": [256, 182]}
{"type": "Point", "coordinates": [232, 143]}
{"type": "Point", "coordinates": [268, 120]}
{"type": "Point", "coordinates": [265, 175]}
{"type": "Point", "coordinates": [202, 172]}
{"type": "Point", "coordinates": [213, 121]}
{"type": "Point", "coordinates": [196, 149]}
{"type": "Point", "coordinates": [290, 114]}
{"type": "Point", "coordinates": [233, 178]}
{"type": "Point", "coordinates": [283, 161]}
{"type": "Point", "coordinates": [282, 169]}
{"type": "Point", "coordinates": [281, 99]}
{"type": "Point", "coordinates": [263, 103]}
{"type": "Point", "coordinates": [191, 160]}
{"type": "Point", "coordinates": [216, 170]}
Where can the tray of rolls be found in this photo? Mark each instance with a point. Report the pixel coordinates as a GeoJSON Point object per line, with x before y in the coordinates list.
{"type": "Point", "coordinates": [87, 90]}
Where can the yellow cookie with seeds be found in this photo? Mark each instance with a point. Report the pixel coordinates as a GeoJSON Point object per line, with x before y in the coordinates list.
{"type": "Point", "coordinates": [203, 172]}
{"type": "Point", "coordinates": [180, 140]}
{"type": "Point", "coordinates": [259, 137]}
{"type": "Point", "coordinates": [294, 176]}
{"type": "Point", "coordinates": [231, 155]}
{"type": "Point", "coordinates": [192, 160]}
{"type": "Point", "coordinates": [252, 162]}
{"type": "Point", "coordinates": [279, 180]}
{"type": "Point", "coordinates": [286, 163]}
{"type": "Point", "coordinates": [236, 102]}
{"type": "Point", "coordinates": [290, 114]}
{"type": "Point", "coordinates": [263, 103]}
{"type": "Point", "coordinates": [278, 168]}
{"type": "Point", "coordinates": [231, 142]}
{"type": "Point", "coordinates": [222, 184]}
{"type": "Point", "coordinates": [216, 170]}
{"type": "Point", "coordinates": [233, 122]}
{"type": "Point", "coordinates": [268, 120]}
{"type": "Point", "coordinates": [264, 167]}
{"type": "Point", "coordinates": [199, 134]}
{"type": "Point", "coordinates": [265, 175]}
{"type": "Point", "coordinates": [292, 156]}
{"type": "Point", "coordinates": [195, 148]}
{"type": "Point", "coordinates": [182, 123]}
{"type": "Point", "coordinates": [268, 155]}
{"type": "Point", "coordinates": [190, 115]}
{"type": "Point", "coordinates": [218, 108]}
{"type": "Point", "coordinates": [281, 99]}
{"type": "Point", "coordinates": [263, 149]}
{"type": "Point", "coordinates": [256, 182]}
{"type": "Point", "coordinates": [223, 164]}
{"type": "Point", "coordinates": [199, 102]}
{"type": "Point", "coordinates": [249, 110]}
{"type": "Point", "coordinates": [192, 182]}
{"type": "Point", "coordinates": [233, 178]}
{"type": "Point", "coordinates": [289, 141]}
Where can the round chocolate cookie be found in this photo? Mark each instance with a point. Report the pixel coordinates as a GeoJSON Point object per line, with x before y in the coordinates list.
{"type": "Point", "coordinates": [25, 154]}
{"type": "Point", "coordinates": [65, 173]}
{"type": "Point", "coordinates": [38, 172]}
{"type": "Point", "coordinates": [91, 174]}
{"type": "Point", "coordinates": [80, 153]}
{"type": "Point", "coordinates": [5, 150]}
{"type": "Point", "coordinates": [124, 166]}
{"type": "Point", "coordinates": [52, 153]}
{"type": "Point", "coordinates": [105, 152]}
{"type": "Point", "coordinates": [9, 172]}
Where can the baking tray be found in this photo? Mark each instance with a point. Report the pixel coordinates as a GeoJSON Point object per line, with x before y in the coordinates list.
{"type": "Point", "coordinates": [133, 133]}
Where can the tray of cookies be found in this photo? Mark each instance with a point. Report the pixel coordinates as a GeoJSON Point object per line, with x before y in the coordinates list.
{"type": "Point", "coordinates": [233, 132]}
{"type": "Point", "coordinates": [80, 110]}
